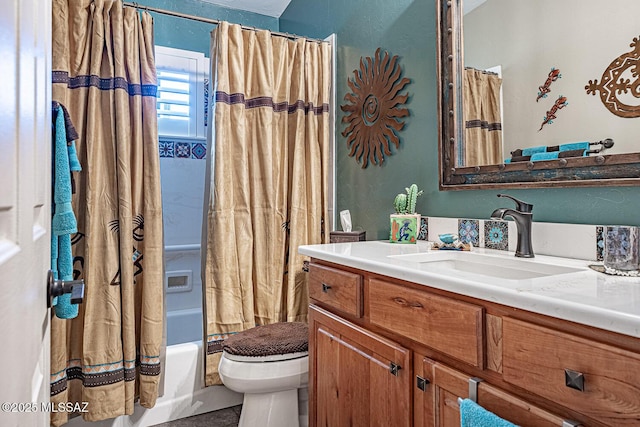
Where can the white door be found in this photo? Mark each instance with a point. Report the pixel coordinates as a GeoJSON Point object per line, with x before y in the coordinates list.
{"type": "Point", "coordinates": [25, 186]}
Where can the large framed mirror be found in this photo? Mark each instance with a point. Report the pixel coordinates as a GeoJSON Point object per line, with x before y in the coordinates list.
{"type": "Point", "coordinates": [564, 93]}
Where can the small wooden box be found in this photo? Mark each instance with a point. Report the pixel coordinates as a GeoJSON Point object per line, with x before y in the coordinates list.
{"type": "Point", "coordinates": [347, 236]}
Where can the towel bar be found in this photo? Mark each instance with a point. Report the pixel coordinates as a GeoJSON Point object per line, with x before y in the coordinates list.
{"type": "Point", "coordinates": [473, 388]}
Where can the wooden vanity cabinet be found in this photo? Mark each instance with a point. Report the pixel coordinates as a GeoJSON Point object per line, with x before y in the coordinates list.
{"type": "Point", "coordinates": [356, 378]}
{"type": "Point", "coordinates": [392, 353]}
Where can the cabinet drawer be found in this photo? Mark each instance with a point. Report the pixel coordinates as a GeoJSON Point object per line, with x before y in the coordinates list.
{"type": "Point", "coordinates": [539, 359]}
{"type": "Point", "coordinates": [336, 288]}
{"type": "Point", "coordinates": [450, 384]}
{"type": "Point", "coordinates": [449, 326]}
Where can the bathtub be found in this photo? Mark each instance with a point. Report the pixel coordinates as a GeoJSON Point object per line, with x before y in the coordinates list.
{"type": "Point", "coordinates": [184, 393]}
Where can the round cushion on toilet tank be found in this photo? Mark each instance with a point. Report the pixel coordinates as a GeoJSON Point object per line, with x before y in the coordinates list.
{"type": "Point", "coordinates": [269, 340]}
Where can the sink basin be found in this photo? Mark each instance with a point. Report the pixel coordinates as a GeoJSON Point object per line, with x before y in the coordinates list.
{"type": "Point", "coordinates": [499, 267]}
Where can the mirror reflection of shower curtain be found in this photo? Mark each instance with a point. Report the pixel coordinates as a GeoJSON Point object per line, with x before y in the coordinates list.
{"type": "Point", "coordinates": [482, 119]}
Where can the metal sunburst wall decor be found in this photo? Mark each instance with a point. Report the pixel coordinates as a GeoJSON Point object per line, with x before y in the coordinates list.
{"type": "Point", "coordinates": [374, 108]}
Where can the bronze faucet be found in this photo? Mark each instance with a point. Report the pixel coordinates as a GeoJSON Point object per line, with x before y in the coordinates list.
{"type": "Point", "coordinates": [523, 218]}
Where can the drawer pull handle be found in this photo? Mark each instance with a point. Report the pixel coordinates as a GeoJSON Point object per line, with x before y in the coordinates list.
{"type": "Point", "coordinates": [422, 383]}
{"type": "Point", "coordinates": [403, 302]}
{"type": "Point", "coordinates": [394, 369]}
{"type": "Point", "coordinates": [574, 379]}
{"type": "Point", "coordinates": [325, 288]}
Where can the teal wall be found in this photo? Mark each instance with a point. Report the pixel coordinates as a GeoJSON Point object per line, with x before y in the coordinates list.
{"type": "Point", "coordinates": [407, 28]}
{"type": "Point", "coordinates": [186, 34]}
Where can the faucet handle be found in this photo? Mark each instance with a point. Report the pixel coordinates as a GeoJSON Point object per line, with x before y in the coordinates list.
{"type": "Point", "coordinates": [523, 207]}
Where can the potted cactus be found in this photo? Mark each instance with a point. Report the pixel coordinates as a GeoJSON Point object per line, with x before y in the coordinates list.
{"type": "Point", "coordinates": [405, 223]}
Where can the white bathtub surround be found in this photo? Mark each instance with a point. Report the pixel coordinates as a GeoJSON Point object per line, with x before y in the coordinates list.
{"type": "Point", "coordinates": [184, 393]}
{"type": "Point", "coordinates": [183, 304]}
{"type": "Point", "coordinates": [584, 296]}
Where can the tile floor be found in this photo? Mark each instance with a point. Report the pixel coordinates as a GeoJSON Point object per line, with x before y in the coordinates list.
{"type": "Point", "coordinates": [228, 417]}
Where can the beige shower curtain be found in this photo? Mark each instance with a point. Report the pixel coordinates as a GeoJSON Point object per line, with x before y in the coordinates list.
{"type": "Point", "coordinates": [104, 73]}
{"type": "Point", "coordinates": [267, 185]}
{"type": "Point", "coordinates": [482, 117]}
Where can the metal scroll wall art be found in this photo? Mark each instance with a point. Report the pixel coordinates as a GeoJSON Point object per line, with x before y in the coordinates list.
{"type": "Point", "coordinates": [375, 108]}
{"type": "Point", "coordinates": [620, 83]}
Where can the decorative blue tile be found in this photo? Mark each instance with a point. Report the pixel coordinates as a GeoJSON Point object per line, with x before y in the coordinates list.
{"type": "Point", "coordinates": [423, 234]}
{"type": "Point", "coordinates": [496, 235]}
{"type": "Point", "coordinates": [166, 148]}
{"type": "Point", "coordinates": [198, 150]}
{"type": "Point", "coordinates": [469, 231]}
{"type": "Point", "coordinates": [599, 243]}
{"type": "Point", "coordinates": [183, 150]}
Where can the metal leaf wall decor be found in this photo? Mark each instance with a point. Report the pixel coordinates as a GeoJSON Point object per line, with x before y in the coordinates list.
{"type": "Point", "coordinates": [619, 86]}
{"type": "Point", "coordinates": [375, 108]}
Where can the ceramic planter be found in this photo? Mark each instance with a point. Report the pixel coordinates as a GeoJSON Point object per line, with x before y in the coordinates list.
{"type": "Point", "coordinates": [404, 228]}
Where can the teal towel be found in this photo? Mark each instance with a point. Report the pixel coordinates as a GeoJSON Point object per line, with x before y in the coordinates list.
{"type": "Point", "coordinates": [64, 221]}
{"type": "Point", "coordinates": [533, 150]}
{"type": "Point", "coordinates": [64, 309]}
{"type": "Point", "coordinates": [544, 156]}
{"type": "Point", "coordinates": [74, 163]}
{"type": "Point", "coordinates": [474, 415]}
{"type": "Point", "coordinates": [54, 263]}
{"type": "Point", "coordinates": [574, 146]}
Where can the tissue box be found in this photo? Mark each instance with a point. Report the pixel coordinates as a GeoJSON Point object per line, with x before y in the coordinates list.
{"type": "Point", "coordinates": [347, 236]}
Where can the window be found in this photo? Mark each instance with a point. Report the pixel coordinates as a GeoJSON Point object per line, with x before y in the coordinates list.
{"type": "Point", "coordinates": [182, 76]}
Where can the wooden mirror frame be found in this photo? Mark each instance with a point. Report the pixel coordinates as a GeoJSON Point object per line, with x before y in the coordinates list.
{"type": "Point", "coordinates": [596, 171]}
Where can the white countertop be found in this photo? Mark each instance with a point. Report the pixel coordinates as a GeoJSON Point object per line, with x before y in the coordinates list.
{"type": "Point", "coordinates": [608, 302]}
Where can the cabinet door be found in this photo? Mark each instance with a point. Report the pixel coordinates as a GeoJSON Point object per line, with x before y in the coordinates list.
{"type": "Point", "coordinates": [440, 407]}
{"type": "Point", "coordinates": [357, 378]}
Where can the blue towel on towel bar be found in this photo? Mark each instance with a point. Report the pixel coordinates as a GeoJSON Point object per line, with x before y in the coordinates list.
{"type": "Point", "coordinates": [474, 415]}
{"type": "Point", "coordinates": [574, 146]}
{"type": "Point", "coordinates": [533, 150]}
{"type": "Point", "coordinates": [544, 156]}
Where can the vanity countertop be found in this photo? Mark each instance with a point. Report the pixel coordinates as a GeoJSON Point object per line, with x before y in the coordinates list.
{"type": "Point", "coordinates": [607, 302]}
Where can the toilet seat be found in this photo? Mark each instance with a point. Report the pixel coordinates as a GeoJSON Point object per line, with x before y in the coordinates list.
{"type": "Point", "coordinates": [276, 341]}
{"type": "Point", "coordinates": [265, 359]}
{"type": "Point", "coordinates": [270, 365]}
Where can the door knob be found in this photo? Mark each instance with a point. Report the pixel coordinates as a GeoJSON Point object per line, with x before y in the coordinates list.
{"type": "Point", "coordinates": [56, 288]}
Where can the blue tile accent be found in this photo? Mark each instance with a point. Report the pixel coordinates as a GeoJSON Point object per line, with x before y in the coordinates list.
{"type": "Point", "coordinates": [183, 150]}
{"type": "Point", "coordinates": [166, 149]}
{"type": "Point", "coordinates": [198, 151]}
{"type": "Point", "coordinates": [496, 235]}
{"type": "Point", "coordinates": [469, 231]}
{"type": "Point", "coordinates": [423, 233]}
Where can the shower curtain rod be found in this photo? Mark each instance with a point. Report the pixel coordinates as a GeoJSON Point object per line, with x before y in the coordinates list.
{"type": "Point", "coordinates": [214, 21]}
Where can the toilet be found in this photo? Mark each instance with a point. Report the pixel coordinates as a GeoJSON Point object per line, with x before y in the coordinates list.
{"type": "Point", "coordinates": [270, 365]}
